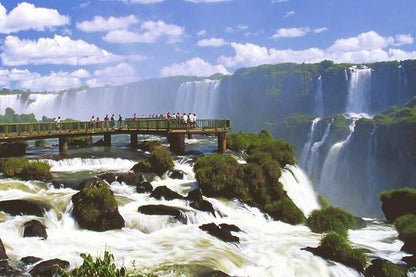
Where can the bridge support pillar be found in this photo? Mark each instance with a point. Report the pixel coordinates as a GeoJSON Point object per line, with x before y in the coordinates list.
{"type": "Point", "coordinates": [63, 144]}
{"type": "Point", "coordinates": [222, 142]}
{"type": "Point", "coordinates": [133, 140]}
{"type": "Point", "coordinates": [191, 136]}
{"type": "Point", "coordinates": [177, 143]}
{"type": "Point", "coordinates": [107, 139]}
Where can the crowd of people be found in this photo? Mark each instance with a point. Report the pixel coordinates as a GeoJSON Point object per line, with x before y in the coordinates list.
{"type": "Point", "coordinates": [185, 118]}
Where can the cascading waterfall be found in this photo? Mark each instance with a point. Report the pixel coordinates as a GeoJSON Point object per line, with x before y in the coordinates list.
{"type": "Point", "coordinates": [358, 90]}
{"type": "Point", "coordinates": [401, 86]}
{"type": "Point", "coordinates": [319, 98]}
{"type": "Point", "coordinates": [330, 174]}
{"type": "Point", "coordinates": [371, 167]}
{"type": "Point", "coordinates": [200, 97]}
{"type": "Point", "coordinates": [307, 147]}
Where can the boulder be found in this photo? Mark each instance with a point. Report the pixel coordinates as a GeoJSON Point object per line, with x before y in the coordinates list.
{"type": "Point", "coordinates": [195, 195]}
{"type": "Point", "coordinates": [383, 268]}
{"type": "Point", "coordinates": [131, 178]}
{"type": "Point", "coordinates": [3, 255]}
{"type": "Point", "coordinates": [108, 177]}
{"type": "Point", "coordinates": [176, 174]}
{"type": "Point", "coordinates": [230, 227]}
{"type": "Point", "coordinates": [95, 207]}
{"type": "Point", "coordinates": [398, 202]}
{"type": "Point", "coordinates": [30, 260]}
{"type": "Point", "coordinates": [144, 187]}
{"type": "Point", "coordinates": [177, 213]}
{"type": "Point", "coordinates": [222, 233]}
{"type": "Point", "coordinates": [23, 207]}
{"type": "Point", "coordinates": [48, 268]}
{"type": "Point", "coordinates": [34, 228]}
{"type": "Point", "coordinates": [13, 149]}
{"type": "Point", "coordinates": [82, 141]}
{"type": "Point", "coordinates": [166, 193]}
{"type": "Point", "coordinates": [410, 260]}
{"type": "Point", "coordinates": [214, 273]}
{"type": "Point", "coordinates": [99, 142]}
{"type": "Point", "coordinates": [203, 205]}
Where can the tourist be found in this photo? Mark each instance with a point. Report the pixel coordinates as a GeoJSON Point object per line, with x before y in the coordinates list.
{"type": "Point", "coordinates": [120, 121]}
{"type": "Point", "coordinates": [106, 120]}
{"type": "Point", "coordinates": [112, 121]}
{"type": "Point", "coordinates": [92, 120]}
{"type": "Point", "coordinates": [58, 123]}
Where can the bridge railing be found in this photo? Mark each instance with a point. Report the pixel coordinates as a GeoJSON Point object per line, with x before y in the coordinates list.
{"type": "Point", "coordinates": [156, 125]}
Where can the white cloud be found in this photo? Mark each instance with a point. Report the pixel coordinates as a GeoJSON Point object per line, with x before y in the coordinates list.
{"type": "Point", "coordinates": [101, 24]}
{"type": "Point", "coordinates": [279, 1]}
{"type": "Point", "coordinates": [26, 17]}
{"type": "Point", "coordinates": [80, 73]}
{"type": "Point", "coordinates": [296, 32]}
{"type": "Point", "coordinates": [56, 50]}
{"type": "Point", "coordinates": [193, 67]}
{"type": "Point", "coordinates": [150, 32]}
{"type": "Point", "coordinates": [211, 42]}
{"type": "Point", "coordinates": [85, 4]}
{"type": "Point", "coordinates": [229, 29]}
{"type": "Point", "coordinates": [291, 32]}
{"type": "Point", "coordinates": [364, 48]}
{"type": "Point", "coordinates": [289, 13]}
{"type": "Point", "coordinates": [206, 1]}
{"type": "Point", "coordinates": [242, 27]}
{"type": "Point", "coordinates": [113, 75]}
{"type": "Point", "coordinates": [146, 2]}
{"type": "Point", "coordinates": [202, 33]}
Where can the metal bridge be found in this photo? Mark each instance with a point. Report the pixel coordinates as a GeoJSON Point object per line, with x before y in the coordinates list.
{"type": "Point", "coordinates": [174, 129]}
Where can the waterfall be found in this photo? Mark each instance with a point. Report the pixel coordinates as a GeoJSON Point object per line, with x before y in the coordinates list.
{"type": "Point", "coordinates": [300, 189]}
{"type": "Point", "coordinates": [200, 97]}
{"type": "Point", "coordinates": [329, 181]}
{"type": "Point", "coordinates": [402, 84]}
{"type": "Point", "coordinates": [319, 98]}
{"type": "Point", "coordinates": [308, 144]}
{"type": "Point", "coordinates": [358, 90]}
{"type": "Point", "coordinates": [371, 167]}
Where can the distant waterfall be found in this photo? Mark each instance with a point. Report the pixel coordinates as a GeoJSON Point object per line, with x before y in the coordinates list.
{"type": "Point", "coordinates": [307, 147]}
{"type": "Point", "coordinates": [401, 86]}
{"type": "Point", "coordinates": [330, 174]}
{"type": "Point", "coordinates": [319, 98]}
{"type": "Point", "coordinates": [200, 97]}
{"type": "Point", "coordinates": [371, 167]}
{"type": "Point", "coordinates": [358, 90]}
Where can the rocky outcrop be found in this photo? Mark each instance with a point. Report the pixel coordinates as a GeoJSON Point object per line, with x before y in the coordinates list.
{"type": "Point", "coordinates": [108, 177]}
{"type": "Point", "coordinates": [3, 255]}
{"type": "Point", "coordinates": [30, 260]}
{"type": "Point", "coordinates": [144, 187]}
{"type": "Point", "coordinates": [198, 202]}
{"type": "Point", "coordinates": [175, 212]}
{"type": "Point", "coordinates": [223, 231]}
{"type": "Point", "coordinates": [131, 179]}
{"type": "Point", "coordinates": [13, 149]}
{"type": "Point", "coordinates": [166, 193]}
{"type": "Point", "coordinates": [23, 207]}
{"type": "Point", "coordinates": [95, 207]}
{"type": "Point", "coordinates": [176, 174]}
{"type": "Point", "coordinates": [398, 202]}
{"type": "Point", "coordinates": [34, 228]}
{"type": "Point", "coordinates": [83, 141]}
{"type": "Point", "coordinates": [383, 268]}
{"type": "Point", "coordinates": [48, 268]}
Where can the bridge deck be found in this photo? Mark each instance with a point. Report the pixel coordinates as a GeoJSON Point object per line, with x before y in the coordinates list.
{"type": "Point", "coordinates": [40, 130]}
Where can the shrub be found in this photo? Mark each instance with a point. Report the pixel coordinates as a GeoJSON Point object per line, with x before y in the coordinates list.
{"type": "Point", "coordinates": [161, 161]}
{"type": "Point", "coordinates": [279, 150]}
{"type": "Point", "coordinates": [40, 143]}
{"type": "Point", "coordinates": [286, 211]}
{"type": "Point", "coordinates": [406, 227]}
{"type": "Point", "coordinates": [241, 141]}
{"type": "Point", "coordinates": [25, 169]}
{"type": "Point", "coordinates": [323, 201]}
{"type": "Point", "coordinates": [330, 219]}
{"type": "Point", "coordinates": [102, 267]}
{"type": "Point", "coordinates": [337, 248]}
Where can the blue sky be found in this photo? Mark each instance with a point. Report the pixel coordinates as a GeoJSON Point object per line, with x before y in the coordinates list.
{"type": "Point", "coordinates": [55, 45]}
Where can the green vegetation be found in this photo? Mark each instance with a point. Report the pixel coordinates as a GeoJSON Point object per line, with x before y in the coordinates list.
{"type": "Point", "coordinates": [159, 161]}
{"type": "Point", "coordinates": [337, 248]}
{"type": "Point", "coordinates": [40, 143]}
{"type": "Point", "coordinates": [81, 141]}
{"type": "Point", "coordinates": [406, 227]}
{"type": "Point", "coordinates": [323, 201]}
{"type": "Point", "coordinates": [26, 170]}
{"type": "Point", "coordinates": [100, 267]}
{"type": "Point", "coordinates": [330, 219]}
{"type": "Point", "coordinates": [257, 182]}
{"type": "Point", "coordinates": [398, 202]}
{"type": "Point", "coordinates": [240, 141]}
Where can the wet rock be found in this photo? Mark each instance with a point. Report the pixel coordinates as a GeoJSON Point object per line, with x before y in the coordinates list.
{"type": "Point", "coordinates": [214, 273]}
{"type": "Point", "coordinates": [34, 228]}
{"type": "Point", "coordinates": [166, 193]}
{"type": "Point", "coordinates": [203, 205]}
{"type": "Point", "coordinates": [144, 187]}
{"type": "Point", "coordinates": [195, 195]}
{"type": "Point", "coordinates": [99, 142]}
{"type": "Point", "coordinates": [48, 268]}
{"type": "Point", "coordinates": [176, 174]}
{"type": "Point", "coordinates": [13, 149]}
{"type": "Point", "coordinates": [95, 207]}
{"type": "Point", "coordinates": [230, 227]}
{"type": "Point", "coordinates": [410, 260]}
{"type": "Point", "coordinates": [23, 207]}
{"type": "Point", "coordinates": [177, 213]}
{"type": "Point", "coordinates": [30, 260]}
{"type": "Point", "coordinates": [131, 178]}
{"type": "Point", "coordinates": [359, 223]}
{"type": "Point", "coordinates": [3, 255]}
{"type": "Point", "coordinates": [108, 177]}
{"type": "Point", "coordinates": [223, 234]}
{"type": "Point", "coordinates": [383, 268]}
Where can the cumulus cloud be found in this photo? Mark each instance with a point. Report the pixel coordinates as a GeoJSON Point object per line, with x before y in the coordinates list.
{"type": "Point", "coordinates": [366, 47]}
{"type": "Point", "coordinates": [289, 13]}
{"type": "Point", "coordinates": [101, 24]}
{"type": "Point", "coordinates": [113, 75]}
{"type": "Point", "coordinates": [55, 81]}
{"type": "Point", "coordinates": [202, 33]}
{"type": "Point", "coordinates": [291, 32]}
{"type": "Point", "coordinates": [150, 32]}
{"type": "Point", "coordinates": [27, 16]}
{"type": "Point", "coordinates": [193, 67]}
{"type": "Point", "coordinates": [211, 42]}
{"type": "Point", "coordinates": [56, 50]}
